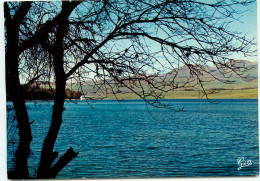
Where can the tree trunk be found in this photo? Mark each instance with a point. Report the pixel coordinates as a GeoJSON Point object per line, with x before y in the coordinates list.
{"type": "Point", "coordinates": [15, 91]}
{"type": "Point", "coordinates": [48, 156]}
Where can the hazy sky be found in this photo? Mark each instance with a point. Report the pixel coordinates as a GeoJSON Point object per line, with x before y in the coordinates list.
{"type": "Point", "coordinates": [249, 19]}
{"type": "Point", "coordinates": [248, 24]}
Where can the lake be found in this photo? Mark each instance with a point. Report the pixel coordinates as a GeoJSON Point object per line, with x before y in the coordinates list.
{"type": "Point", "coordinates": [131, 140]}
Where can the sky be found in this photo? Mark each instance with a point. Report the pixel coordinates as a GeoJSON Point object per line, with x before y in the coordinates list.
{"type": "Point", "coordinates": [248, 24]}
{"type": "Point", "coordinates": [248, 21]}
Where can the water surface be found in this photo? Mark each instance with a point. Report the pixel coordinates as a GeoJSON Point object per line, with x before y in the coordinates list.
{"type": "Point", "coordinates": [132, 140]}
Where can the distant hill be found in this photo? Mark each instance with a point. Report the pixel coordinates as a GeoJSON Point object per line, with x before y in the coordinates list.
{"type": "Point", "coordinates": [184, 71]}
{"type": "Point", "coordinates": [249, 80]}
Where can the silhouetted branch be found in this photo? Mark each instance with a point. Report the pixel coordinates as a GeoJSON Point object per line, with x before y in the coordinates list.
{"type": "Point", "coordinates": [63, 161]}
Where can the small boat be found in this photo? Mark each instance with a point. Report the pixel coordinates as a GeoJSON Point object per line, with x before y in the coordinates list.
{"type": "Point", "coordinates": [85, 97]}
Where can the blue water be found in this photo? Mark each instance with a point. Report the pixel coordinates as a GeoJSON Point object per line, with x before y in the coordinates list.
{"type": "Point", "coordinates": [130, 140]}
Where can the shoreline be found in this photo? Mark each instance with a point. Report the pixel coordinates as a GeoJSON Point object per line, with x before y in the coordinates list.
{"type": "Point", "coordinates": [223, 94]}
{"type": "Point", "coordinates": [121, 100]}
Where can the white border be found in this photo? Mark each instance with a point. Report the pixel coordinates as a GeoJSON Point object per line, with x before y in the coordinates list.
{"type": "Point", "coordinates": [3, 162]}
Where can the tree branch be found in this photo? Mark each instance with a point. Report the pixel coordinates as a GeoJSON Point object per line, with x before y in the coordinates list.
{"type": "Point", "coordinates": [63, 161]}
{"type": "Point", "coordinates": [32, 81]}
{"type": "Point", "coordinates": [22, 11]}
{"type": "Point", "coordinates": [41, 34]}
{"type": "Point", "coordinates": [7, 14]}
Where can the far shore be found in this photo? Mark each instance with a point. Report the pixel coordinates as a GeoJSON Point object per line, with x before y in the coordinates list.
{"type": "Point", "coordinates": [222, 94]}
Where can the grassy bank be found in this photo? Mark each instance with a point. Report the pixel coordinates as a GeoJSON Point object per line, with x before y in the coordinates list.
{"type": "Point", "coordinates": [223, 94]}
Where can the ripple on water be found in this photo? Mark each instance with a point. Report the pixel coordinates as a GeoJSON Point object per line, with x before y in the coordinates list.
{"type": "Point", "coordinates": [125, 141]}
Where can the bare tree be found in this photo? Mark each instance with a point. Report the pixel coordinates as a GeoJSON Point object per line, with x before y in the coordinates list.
{"type": "Point", "coordinates": [24, 32]}
{"type": "Point", "coordinates": [114, 44]}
